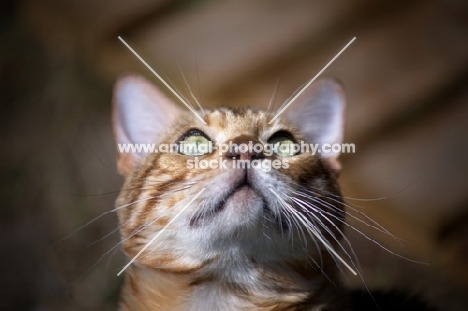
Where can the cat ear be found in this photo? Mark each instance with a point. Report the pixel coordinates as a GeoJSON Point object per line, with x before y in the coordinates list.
{"type": "Point", "coordinates": [319, 115]}
{"type": "Point", "coordinates": [141, 113]}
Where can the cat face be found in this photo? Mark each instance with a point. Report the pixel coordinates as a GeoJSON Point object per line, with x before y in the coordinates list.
{"type": "Point", "coordinates": [266, 213]}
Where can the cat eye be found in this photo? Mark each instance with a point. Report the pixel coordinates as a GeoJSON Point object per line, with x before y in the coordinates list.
{"type": "Point", "coordinates": [195, 143]}
{"type": "Point", "coordinates": [283, 145]}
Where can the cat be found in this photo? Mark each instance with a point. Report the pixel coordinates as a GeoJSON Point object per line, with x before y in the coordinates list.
{"type": "Point", "coordinates": [254, 239]}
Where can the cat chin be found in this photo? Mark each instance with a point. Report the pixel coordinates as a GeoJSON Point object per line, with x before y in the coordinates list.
{"type": "Point", "coordinates": [243, 207]}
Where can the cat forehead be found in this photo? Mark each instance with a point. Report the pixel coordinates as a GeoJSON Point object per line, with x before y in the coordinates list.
{"type": "Point", "coordinates": [234, 116]}
{"type": "Point", "coordinates": [237, 121]}
{"type": "Point", "coordinates": [224, 124]}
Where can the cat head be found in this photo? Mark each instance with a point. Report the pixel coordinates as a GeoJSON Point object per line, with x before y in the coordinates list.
{"type": "Point", "coordinates": [266, 211]}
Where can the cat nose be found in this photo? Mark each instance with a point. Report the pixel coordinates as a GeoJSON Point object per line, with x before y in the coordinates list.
{"type": "Point", "coordinates": [243, 148]}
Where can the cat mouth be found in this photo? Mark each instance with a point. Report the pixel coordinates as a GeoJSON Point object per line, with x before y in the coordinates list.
{"type": "Point", "coordinates": [241, 192]}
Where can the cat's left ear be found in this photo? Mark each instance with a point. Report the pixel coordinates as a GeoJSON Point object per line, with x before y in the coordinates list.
{"type": "Point", "coordinates": [141, 114]}
{"type": "Point", "coordinates": [319, 114]}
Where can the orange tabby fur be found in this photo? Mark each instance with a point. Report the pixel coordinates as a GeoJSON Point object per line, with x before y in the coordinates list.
{"type": "Point", "coordinates": [233, 260]}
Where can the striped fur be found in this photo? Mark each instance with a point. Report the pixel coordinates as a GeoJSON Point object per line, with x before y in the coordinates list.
{"type": "Point", "coordinates": [250, 255]}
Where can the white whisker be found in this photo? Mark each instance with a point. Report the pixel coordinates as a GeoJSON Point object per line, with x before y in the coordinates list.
{"type": "Point", "coordinates": [317, 235]}
{"type": "Point", "coordinates": [190, 90]}
{"type": "Point", "coordinates": [162, 80]}
{"type": "Point", "coordinates": [274, 95]}
{"type": "Point", "coordinates": [310, 82]}
{"type": "Point", "coordinates": [103, 214]}
{"type": "Point", "coordinates": [160, 232]}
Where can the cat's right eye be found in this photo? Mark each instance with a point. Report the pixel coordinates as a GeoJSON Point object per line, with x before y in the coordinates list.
{"type": "Point", "coordinates": [283, 144]}
{"type": "Point", "coordinates": [195, 143]}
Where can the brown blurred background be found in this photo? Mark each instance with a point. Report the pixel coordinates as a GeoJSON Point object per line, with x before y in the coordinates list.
{"type": "Point", "coordinates": [406, 78]}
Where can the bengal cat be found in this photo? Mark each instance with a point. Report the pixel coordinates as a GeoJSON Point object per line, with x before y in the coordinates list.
{"type": "Point", "coordinates": [254, 239]}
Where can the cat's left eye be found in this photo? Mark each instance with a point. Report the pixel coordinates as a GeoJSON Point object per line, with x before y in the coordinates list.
{"type": "Point", "coordinates": [195, 143]}
{"type": "Point", "coordinates": [283, 146]}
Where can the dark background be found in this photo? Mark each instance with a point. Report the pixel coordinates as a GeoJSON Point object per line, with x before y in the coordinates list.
{"type": "Point", "coordinates": [406, 78]}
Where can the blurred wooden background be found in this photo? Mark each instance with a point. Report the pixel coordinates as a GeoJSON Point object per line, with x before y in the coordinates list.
{"type": "Point", "coordinates": [405, 76]}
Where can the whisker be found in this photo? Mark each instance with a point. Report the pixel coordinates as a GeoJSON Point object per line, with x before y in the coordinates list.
{"type": "Point", "coordinates": [384, 197]}
{"type": "Point", "coordinates": [103, 214]}
{"type": "Point", "coordinates": [355, 263]}
{"type": "Point", "coordinates": [163, 229]}
{"type": "Point", "coordinates": [317, 235]}
{"type": "Point", "coordinates": [333, 208]}
{"type": "Point", "coordinates": [377, 225]}
{"type": "Point", "coordinates": [367, 237]}
{"type": "Point", "coordinates": [274, 95]}
{"type": "Point", "coordinates": [107, 235]}
{"type": "Point", "coordinates": [319, 266]}
{"type": "Point", "coordinates": [290, 97]}
{"type": "Point", "coordinates": [299, 229]}
{"type": "Point", "coordinates": [135, 232]}
{"type": "Point", "coordinates": [119, 208]}
{"type": "Point", "coordinates": [131, 189]}
{"type": "Point", "coordinates": [306, 207]}
{"type": "Point", "coordinates": [190, 89]}
{"type": "Point", "coordinates": [198, 82]}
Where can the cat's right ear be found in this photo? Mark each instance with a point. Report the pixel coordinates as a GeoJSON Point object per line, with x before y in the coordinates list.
{"type": "Point", "coordinates": [141, 113]}
{"type": "Point", "coordinates": [319, 115]}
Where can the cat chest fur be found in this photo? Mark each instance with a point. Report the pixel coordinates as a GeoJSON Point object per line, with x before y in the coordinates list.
{"type": "Point", "coordinates": [200, 291]}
